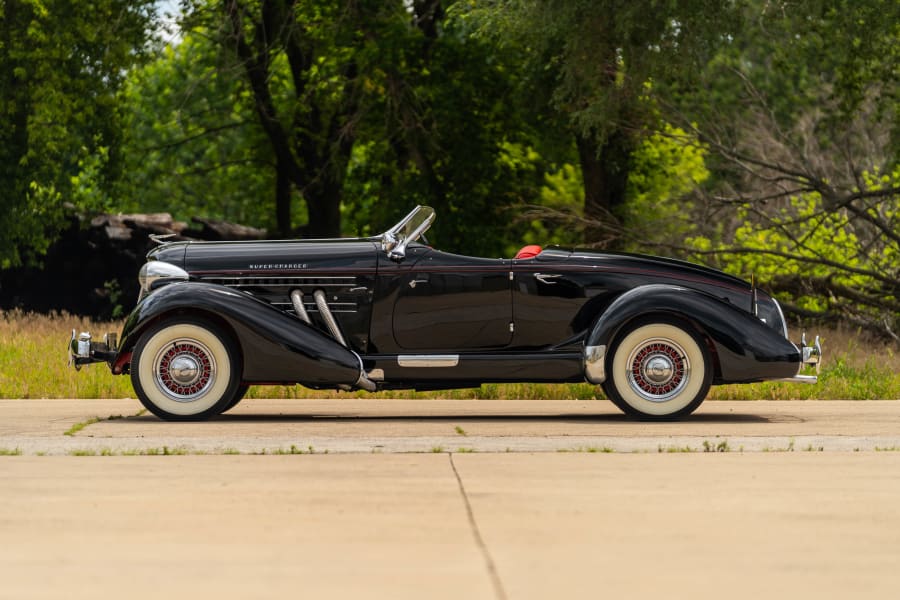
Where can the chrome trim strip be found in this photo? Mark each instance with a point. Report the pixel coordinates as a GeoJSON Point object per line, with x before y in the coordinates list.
{"type": "Point", "coordinates": [277, 277]}
{"type": "Point", "coordinates": [784, 327]}
{"type": "Point", "coordinates": [801, 379]}
{"type": "Point", "coordinates": [428, 360]}
{"type": "Point", "coordinates": [348, 309]}
{"type": "Point", "coordinates": [595, 364]}
{"type": "Point", "coordinates": [266, 284]}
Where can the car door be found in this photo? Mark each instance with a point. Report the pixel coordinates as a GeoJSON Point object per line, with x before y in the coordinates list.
{"type": "Point", "coordinates": [449, 302]}
{"type": "Point", "coordinates": [549, 297]}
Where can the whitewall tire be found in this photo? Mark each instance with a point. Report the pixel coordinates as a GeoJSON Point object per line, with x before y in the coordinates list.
{"type": "Point", "coordinates": [658, 370]}
{"type": "Point", "coordinates": [185, 369]}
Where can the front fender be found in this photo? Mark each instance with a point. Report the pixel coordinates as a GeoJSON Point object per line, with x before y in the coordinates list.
{"type": "Point", "coordinates": [276, 348]}
{"type": "Point", "coordinates": [745, 348]}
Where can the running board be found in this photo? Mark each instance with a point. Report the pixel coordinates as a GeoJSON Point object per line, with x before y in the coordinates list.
{"type": "Point", "coordinates": [483, 368]}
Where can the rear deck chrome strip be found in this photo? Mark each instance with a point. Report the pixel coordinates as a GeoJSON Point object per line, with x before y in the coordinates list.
{"type": "Point", "coordinates": [428, 360]}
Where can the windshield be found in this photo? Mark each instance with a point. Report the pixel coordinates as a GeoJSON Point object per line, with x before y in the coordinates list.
{"type": "Point", "coordinates": [409, 229]}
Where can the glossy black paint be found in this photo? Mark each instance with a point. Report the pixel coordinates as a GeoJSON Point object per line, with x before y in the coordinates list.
{"type": "Point", "coordinates": [494, 367]}
{"type": "Point", "coordinates": [507, 319]}
{"type": "Point", "coordinates": [745, 349]}
{"type": "Point", "coordinates": [275, 347]}
{"type": "Point", "coordinates": [434, 300]}
{"type": "Point", "coordinates": [344, 269]}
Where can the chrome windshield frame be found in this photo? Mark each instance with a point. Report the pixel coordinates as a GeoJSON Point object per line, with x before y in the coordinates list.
{"type": "Point", "coordinates": [394, 242]}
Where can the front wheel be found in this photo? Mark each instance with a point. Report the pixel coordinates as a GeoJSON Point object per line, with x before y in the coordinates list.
{"type": "Point", "coordinates": [658, 371]}
{"type": "Point", "coordinates": [185, 369]}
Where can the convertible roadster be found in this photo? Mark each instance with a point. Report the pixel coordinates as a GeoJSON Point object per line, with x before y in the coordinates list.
{"type": "Point", "coordinates": [391, 312]}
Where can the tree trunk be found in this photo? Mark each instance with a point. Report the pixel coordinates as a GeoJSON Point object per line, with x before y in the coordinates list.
{"type": "Point", "coordinates": [282, 199]}
{"type": "Point", "coordinates": [605, 171]}
{"type": "Point", "coordinates": [323, 203]}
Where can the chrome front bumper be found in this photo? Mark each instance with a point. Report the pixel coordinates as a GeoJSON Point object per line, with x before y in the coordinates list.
{"type": "Point", "coordinates": [83, 351]}
{"type": "Point", "coordinates": [810, 357]}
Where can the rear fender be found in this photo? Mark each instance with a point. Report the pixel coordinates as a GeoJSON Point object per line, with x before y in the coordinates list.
{"type": "Point", "coordinates": [745, 348]}
{"type": "Point", "coordinates": [276, 347]}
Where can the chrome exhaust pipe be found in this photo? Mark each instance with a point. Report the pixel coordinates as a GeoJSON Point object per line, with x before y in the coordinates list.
{"type": "Point", "coordinates": [322, 304]}
{"type": "Point", "coordinates": [297, 301]}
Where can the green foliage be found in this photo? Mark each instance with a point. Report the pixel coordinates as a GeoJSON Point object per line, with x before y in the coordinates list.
{"type": "Point", "coordinates": [591, 60]}
{"type": "Point", "coordinates": [666, 168]}
{"type": "Point", "coordinates": [60, 65]}
{"type": "Point", "coordinates": [802, 248]}
{"type": "Point", "coordinates": [192, 144]}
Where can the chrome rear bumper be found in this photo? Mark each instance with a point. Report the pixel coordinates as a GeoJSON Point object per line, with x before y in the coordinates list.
{"type": "Point", "coordinates": [810, 357]}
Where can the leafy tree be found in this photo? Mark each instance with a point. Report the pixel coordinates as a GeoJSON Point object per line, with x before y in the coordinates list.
{"type": "Point", "coordinates": [191, 143]}
{"type": "Point", "coordinates": [803, 147]}
{"type": "Point", "coordinates": [364, 108]}
{"type": "Point", "coordinates": [590, 64]}
{"type": "Point", "coordinates": [60, 65]}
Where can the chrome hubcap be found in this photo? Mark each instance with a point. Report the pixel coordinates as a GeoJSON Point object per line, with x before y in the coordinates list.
{"type": "Point", "coordinates": [658, 370]}
{"type": "Point", "coordinates": [184, 370]}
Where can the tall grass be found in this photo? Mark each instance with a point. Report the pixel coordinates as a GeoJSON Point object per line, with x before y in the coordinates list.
{"type": "Point", "coordinates": [33, 365]}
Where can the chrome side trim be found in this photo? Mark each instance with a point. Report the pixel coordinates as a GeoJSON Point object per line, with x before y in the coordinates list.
{"type": "Point", "coordinates": [595, 364]}
{"type": "Point", "coordinates": [784, 327]}
{"type": "Point", "coordinates": [428, 360]}
{"type": "Point", "coordinates": [801, 379]}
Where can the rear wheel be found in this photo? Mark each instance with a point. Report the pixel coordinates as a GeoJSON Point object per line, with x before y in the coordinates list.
{"type": "Point", "coordinates": [186, 369]}
{"type": "Point", "coordinates": [658, 370]}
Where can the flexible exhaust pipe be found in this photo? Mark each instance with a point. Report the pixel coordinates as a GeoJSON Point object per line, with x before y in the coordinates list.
{"type": "Point", "coordinates": [297, 301]}
{"type": "Point", "coordinates": [363, 381]}
{"type": "Point", "coordinates": [322, 305]}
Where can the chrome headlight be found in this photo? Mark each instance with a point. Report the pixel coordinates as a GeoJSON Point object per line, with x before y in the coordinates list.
{"type": "Point", "coordinates": [156, 270]}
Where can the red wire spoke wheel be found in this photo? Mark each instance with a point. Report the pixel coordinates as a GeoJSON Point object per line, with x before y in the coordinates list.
{"type": "Point", "coordinates": [658, 370]}
{"type": "Point", "coordinates": [186, 369]}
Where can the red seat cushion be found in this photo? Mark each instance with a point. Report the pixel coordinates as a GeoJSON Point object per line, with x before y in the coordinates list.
{"type": "Point", "coordinates": [529, 251]}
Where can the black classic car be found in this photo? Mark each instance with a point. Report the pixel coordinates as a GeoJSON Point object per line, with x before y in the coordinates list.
{"type": "Point", "coordinates": [391, 312]}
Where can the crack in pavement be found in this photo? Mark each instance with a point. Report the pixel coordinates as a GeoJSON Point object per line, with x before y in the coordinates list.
{"type": "Point", "coordinates": [479, 540]}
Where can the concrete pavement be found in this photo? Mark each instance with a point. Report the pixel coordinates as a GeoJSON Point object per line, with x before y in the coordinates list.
{"type": "Point", "coordinates": [362, 426]}
{"type": "Point", "coordinates": [468, 526]}
{"type": "Point", "coordinates": [421, 499]}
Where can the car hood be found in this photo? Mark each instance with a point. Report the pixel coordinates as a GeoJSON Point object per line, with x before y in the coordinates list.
{"type": "Point", "coordinates": [269, 257]}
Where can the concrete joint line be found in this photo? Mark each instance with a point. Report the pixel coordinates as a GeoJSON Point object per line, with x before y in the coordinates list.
{"type": "Point", "coordinates": [489, 562]}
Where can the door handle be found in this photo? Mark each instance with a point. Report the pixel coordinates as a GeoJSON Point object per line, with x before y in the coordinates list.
{"type": "Point", "coordinates": [545, 277]}
{"type": "Point", "coordinates": [415, 282]}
